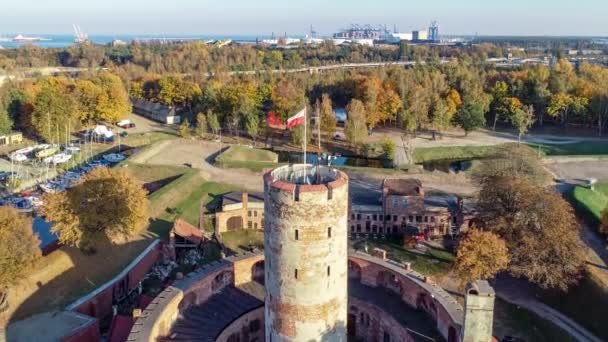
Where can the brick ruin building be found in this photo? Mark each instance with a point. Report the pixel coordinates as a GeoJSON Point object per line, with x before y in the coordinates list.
{"type": "Point", "coordinates": [401, 207]}
{"type": "Point", "coordinates": [307, 286]}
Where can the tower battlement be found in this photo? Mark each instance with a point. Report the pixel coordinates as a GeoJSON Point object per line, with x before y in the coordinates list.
{"type": "Point", "coordinates": [300, 181]}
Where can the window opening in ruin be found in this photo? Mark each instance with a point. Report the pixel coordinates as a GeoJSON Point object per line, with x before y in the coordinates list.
{"type": "Point", "coordinates": [297, 233]}
{"type": "Point", "coordinates": [295, 273]}
{"type": "Point", "coordinates": [328, 232]}
{"type": "Point", "coordinates": [328, 271]}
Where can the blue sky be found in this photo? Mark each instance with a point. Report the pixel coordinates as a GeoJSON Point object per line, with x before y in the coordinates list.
{"type": "Point", "coordinates": [258, 17]}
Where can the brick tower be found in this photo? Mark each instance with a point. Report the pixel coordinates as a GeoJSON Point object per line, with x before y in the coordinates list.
{"type": "Point", "coordinates": [305, 239]}
{"type": "Point", "coordinates": [478, 312]}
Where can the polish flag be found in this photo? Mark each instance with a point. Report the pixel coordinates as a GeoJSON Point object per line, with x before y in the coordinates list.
{"type": "Point", "coordinates": [297, 119]}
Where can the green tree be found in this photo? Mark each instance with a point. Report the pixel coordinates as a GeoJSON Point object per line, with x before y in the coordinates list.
{"type": "Point", "coordinates": [201, 125]}
{"type": "Point", "coordinates": [388, 146]}
{"type": "Point", "coordinates": [18, 248]}
{"type": "Point", "coordinates": [355, 128]}
{"type": "Point", "coordinates": [252, 126]}
{"type": "Point", "coordinates": [184, 128]}
{"type": "Point", "coordinates": [470, 117]}
{"type": "Point", "coordinates": [522, 119]}
{"type": "Point", "coordinates": [328, 119]}
{"type": "Point", "coordinates": [104, 204]}
{"type": "Point", "coordinates": [214, 123]}
{"type": "Point", "coordinates": [6, 123]}
{"type": "Point", "coordinates": [480, 255]}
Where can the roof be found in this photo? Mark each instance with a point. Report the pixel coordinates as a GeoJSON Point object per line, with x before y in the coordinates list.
{"type": "Point", "coordinates": [151, 107]}
{"type": "Point", "coordinates": [187, 231]}
{"type": "Point", "coordinates": [49, 326]}
{"type": "Point", "coordinates": [402, 187]}
{"type": "Point", "coordinates": [237, 197]}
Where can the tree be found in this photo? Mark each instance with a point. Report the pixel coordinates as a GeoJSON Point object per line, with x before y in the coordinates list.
{"type": "Point", "coordinates": [539, 227]}
{"type": "Point", "coordinates": [562, 104]}
{"type": "Point", "coordinates": [6, 123]}
{"type": "Point", "coordinates": [201, 125]}
{"type": "Point", "coordinates": [522, 119]}
{"type": "Point", "coordinates": [18, 248]}
{"type": "Point", "coordinates": [604, 221]}
{"type": "Point", "coordinates": [328, 120]}
{"type": "Point", "coordinates": [214, 123]}
{"type": "Point", "coordinates": [104, 204]}
{"type": "Point", "coordinates": [113, 102]}
{"type": "Point", "coordinates": [252, 126]}
{"type": "Point", "coordinates": [511, 160]}
{"type": "Point", "coordinates": [54, 110]}
{"type": "Point", "coordinates": [388, 146]}
{"type": "Point", "coordinates": [481, 255]}
{"type": "Point", "coordinates": [470, 117]}
{"type": "Point", "coordinates": [184, 129]}
{"type": "Point", "coordinates": [355, 129]}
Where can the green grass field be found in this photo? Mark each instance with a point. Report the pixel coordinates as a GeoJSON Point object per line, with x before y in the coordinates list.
{"type": "Point", "coordinates": [147, 173]}
{"type": "Point", "coordinates": [586, 303]}
{"type": "Point", "coordinates": [512, 320]}
{"type": "Point", "coordinates": [246, 154]}
{"type": "Point", "coordinates": [238, 240]}
{"type": "Point", "coordinates": [437, 262]}
{"type": "Point", "coordinates": [586, 148]}
{"type": "Point", "coordinates": [427, 154]}
{"type": "Point", "coordinates": [590, 203]}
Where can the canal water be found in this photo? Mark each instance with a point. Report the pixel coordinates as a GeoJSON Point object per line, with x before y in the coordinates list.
{"type": "Point", "coordinates": [297, 157]}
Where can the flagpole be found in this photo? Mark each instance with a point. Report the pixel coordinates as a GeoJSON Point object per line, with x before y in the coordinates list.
{"type": "Point", "coordinates": [305, 135]}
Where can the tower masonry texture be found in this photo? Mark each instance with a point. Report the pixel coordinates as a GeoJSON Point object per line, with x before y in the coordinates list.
{"type": "Point", "coordinates": [305, 240]}
{"type": "Point", "coordinates": [479, 312]}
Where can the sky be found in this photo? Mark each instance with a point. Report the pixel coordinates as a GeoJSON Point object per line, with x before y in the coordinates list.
{"type": "Point", "coordinates": [263, 17]}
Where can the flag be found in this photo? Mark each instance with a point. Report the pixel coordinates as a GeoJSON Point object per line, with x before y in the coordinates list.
{"type": "Point", "coordinates": [297, 119]}
{"type": "Point", "coordinates": [274, 121]}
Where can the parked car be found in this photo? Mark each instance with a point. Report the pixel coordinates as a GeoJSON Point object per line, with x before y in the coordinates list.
{"type": "Point", "coordinates": [125, 124]}
{"type": "Point", "coordinates": [338, 137]}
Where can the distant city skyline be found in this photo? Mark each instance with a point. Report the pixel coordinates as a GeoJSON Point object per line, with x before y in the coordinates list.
{"type": "Point", "coordinates": [248, 17]}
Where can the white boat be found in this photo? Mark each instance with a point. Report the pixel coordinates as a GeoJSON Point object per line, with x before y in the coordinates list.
{"type": "Point", "coordinates": [18, 157]}
{"type": "Point", "coordinates": [61, 158]}
{"type": "Point", "coordinates": [41, 147]}
{"type": "Point", "coordinates": [52, 187]}
{"type": "Point", "coordinates": [72, 149]}
{"type": "Point", "coordinates": [114, 157]}
{"type": "Point", "coordinates": [25, 150]}
{"type": "Point", "coordinates": [47, 160]}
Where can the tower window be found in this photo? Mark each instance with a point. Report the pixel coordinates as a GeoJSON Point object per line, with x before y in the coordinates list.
{"type": "Point", "coordinates": [328, 271]}
{"type": "Point", "coordinates": [328, 232]}
{"type": "Point", "coordinates": [297, 235]}
{"type": "Point", "coordinates": [295, 273]}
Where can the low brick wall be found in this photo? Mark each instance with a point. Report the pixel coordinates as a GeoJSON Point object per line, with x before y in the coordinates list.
{"type": "Point", "coordinates": [98, 303]}
{"type": "Point", "coordinates": [414, 289]}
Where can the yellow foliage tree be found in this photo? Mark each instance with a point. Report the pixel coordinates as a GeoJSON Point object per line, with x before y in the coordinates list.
{"type": "Point", "coordinates": [481, 255]}
{"type": "Point", "coordinates": [104, 204]}
{"type": "Point", "coordinates": [18, 247]}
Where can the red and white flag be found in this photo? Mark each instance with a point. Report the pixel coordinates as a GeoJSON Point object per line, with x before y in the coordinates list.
{"type": "Point", "coordinates": [297, 119]}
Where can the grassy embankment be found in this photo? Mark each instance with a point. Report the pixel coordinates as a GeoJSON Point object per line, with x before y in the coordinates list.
{"type": "Point", "coordinates": [590, 203]}
{"type": "Point", "coordinates": [254, 159]}
{"type": "Point", "coordinates": [587, 148]}
{"type": "Point", "coordinates": [66, 274]}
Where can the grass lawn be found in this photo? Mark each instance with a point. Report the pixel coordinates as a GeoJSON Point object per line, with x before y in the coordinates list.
{"type": "Point", "coordinates": [246, 154]}
{"type": "Point", "coordinates": [426, 154]}
{"type": "Point", "coordinates": [585, 148]}
{"type": "Point", "coordinates": [255, 166]}
{"type": "Point", "coordinates": [587, 304]}
{"type": "Point", "coordinates": [147, 173]}
{"type": "Point", "coordinates": [437, 262]}
{"type": "Point", "coordinates": [511, 320]}
{"type": "Point", "coordinates": [238, 240]}
{"type": "Point", "coordinates": [590, 203]}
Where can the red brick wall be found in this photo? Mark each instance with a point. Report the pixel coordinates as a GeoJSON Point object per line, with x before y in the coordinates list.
{"type": "Point", "coordinates": [369, 323]}
{"type": "Point", "coordinates": [99, 304]}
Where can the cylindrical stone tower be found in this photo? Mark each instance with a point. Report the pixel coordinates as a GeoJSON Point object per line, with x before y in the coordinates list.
{"type": "Point", "coordinates": [305, 246]}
